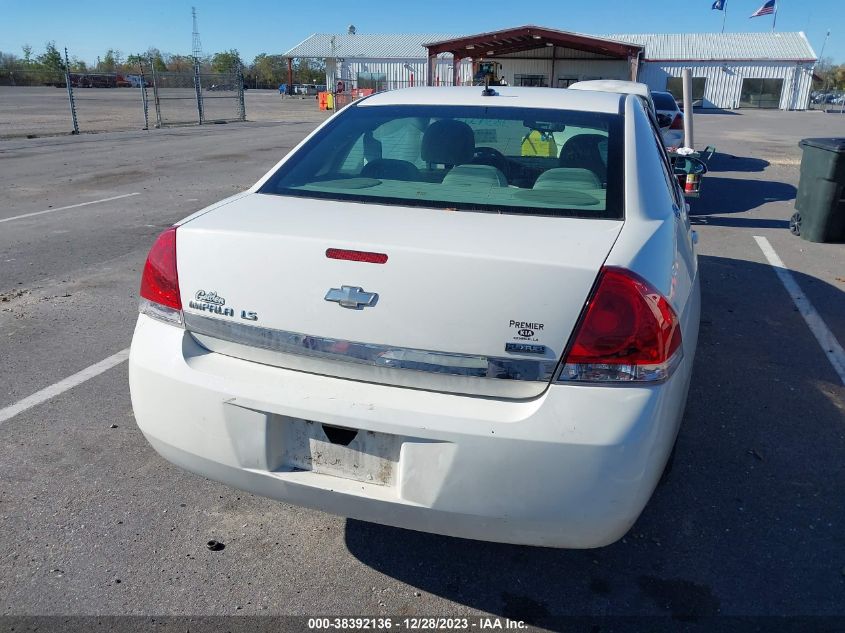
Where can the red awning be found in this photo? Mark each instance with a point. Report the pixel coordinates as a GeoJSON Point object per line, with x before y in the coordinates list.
{"type": "Point", "coordinates": [526, 38]}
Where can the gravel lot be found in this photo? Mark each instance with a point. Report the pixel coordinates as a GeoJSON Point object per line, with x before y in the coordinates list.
{"type": "Point", "coordinates": [44, 111]}
{"type": "Point", "coordinates": [93, 522]}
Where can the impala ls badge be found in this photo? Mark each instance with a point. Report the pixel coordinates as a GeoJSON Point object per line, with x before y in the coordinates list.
{"type": "Point", "coordinates": [352, 297]}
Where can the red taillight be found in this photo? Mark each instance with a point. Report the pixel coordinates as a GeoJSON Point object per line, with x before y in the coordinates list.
{"type": "Point", "coordinates": [160, 281]}
{"type": "Point", "coordinates": [628, 332]}
{"type": "Point", "coordinates": [678, 123]}
{"type": "Point", "coordinates": [356, 256]}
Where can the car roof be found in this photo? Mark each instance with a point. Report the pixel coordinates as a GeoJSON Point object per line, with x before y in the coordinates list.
{"type": "Point", "coordinates": [505, 96]}
{"type": "Point", "coordinates": [613, 85]}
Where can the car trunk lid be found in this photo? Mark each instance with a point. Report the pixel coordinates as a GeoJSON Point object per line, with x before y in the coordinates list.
{"type": "Point", "coordinates": [464, 302]}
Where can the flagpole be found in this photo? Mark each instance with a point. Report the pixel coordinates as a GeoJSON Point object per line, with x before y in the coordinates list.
{"type": "Point", "coordinates": [724, 15]}
{"type": "Point", "coordinates": [775, 17]}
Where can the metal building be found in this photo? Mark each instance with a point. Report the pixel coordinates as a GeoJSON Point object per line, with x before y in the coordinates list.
{"type": "Point", "coordinates": [730, 70]}
{"type": "Point", "coordinates": [383, 62]}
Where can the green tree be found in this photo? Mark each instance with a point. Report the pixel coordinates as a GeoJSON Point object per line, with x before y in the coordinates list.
{"type": "Point", "coordinates": [27, 54]}
{"type": "Point", "coordinates": [269, 70]}
{"type": "Point", "coordinates": [309, 71]}
{"type": "Point", "coordinates": [134, 61]}
{"type": "Point", "coordinates": [830, 76]}
{"type": "Point", "coordinates": [9, 61]}
{"type": "Point", "coordinates": [78, 66]}
{"type": "Point", "coordinates": [51, 59]}
{"type": "Point", "coordinates": [226, 61]}
{"type": "Point", "coordinates": [110, 62]}
{"type": "Point", "coordinates": [839, 76]}
{"type": "Point", "coordinates": [158, 59]}
{"type": "Point", "coordinates": [179, 63]}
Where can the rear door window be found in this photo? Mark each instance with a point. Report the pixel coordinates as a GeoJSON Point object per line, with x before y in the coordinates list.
{"type": "Point", "coordinates": [466, 158]}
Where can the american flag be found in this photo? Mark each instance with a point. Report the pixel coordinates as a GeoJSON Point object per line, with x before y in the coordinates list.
{"type": "Point", "coordinates": [767, 9]}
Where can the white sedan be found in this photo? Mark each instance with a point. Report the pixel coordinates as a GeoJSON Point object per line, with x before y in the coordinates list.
{"type": "Point", "coordinates": [453, 310]}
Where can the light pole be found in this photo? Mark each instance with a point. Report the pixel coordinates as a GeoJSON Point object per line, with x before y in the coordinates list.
{"type": "Point", "coordinates": [824, 85]}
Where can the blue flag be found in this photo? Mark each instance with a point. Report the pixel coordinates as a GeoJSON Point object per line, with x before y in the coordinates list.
{"type": "Point", "coordinates": [719, 5]}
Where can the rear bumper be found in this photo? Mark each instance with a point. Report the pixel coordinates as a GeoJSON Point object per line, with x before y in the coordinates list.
{"type": "Point", "coordinates": [571, 468]}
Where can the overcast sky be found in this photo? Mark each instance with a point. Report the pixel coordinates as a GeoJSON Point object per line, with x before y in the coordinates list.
{"type": "Point", "coordinates": [89, 28]}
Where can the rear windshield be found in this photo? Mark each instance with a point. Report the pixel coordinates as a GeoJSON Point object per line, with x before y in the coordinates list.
{"type": "Point", "coordinates": [664, 101]}
{"type": "Point", "coordinates": [472, 158]}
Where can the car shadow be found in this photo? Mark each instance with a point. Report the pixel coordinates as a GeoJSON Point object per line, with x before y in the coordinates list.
{"type": "Point", "coordinates": [720, 195]}
{"type": "Point", "coordinates": [729, 162]}
{"type": "Point", "coordinates": [739, 223]}
{"type": "Point", "coordinates": [748, 522]}
{"type": "Point", "coordinates": [698, 110]}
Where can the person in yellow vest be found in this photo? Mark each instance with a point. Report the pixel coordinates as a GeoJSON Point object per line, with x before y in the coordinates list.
{"type": "Point", "coordinates": [537, 143]}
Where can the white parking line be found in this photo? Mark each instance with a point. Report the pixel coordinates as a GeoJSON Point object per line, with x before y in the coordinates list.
{"type": "Point", "coordinates": [63, 385]}
{"type": "Point", "coordinates": [830, 346]}
{"type": "Point", "coordinates": [70, 206]}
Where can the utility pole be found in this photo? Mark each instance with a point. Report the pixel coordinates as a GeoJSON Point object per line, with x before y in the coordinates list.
{"type": "Point", "coordinates": [824, 84]}
{"type": "Point", "coordinates": [821, 55]}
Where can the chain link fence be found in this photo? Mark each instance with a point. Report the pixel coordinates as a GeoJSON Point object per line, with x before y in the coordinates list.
{"type": "Point", "coordinates": [34, 103]}
{"type": "Point", "coordinates": [222, 96]}
{"type": "Point", "coordinates": [187, 97]}
{"type": "Point", "coordinates": [32, 78]}
{"type": "Point", "coordinates": [41, 102]}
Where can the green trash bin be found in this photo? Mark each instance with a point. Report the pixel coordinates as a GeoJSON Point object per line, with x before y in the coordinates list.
{"type": "Point", "coordinates": [820, 201]}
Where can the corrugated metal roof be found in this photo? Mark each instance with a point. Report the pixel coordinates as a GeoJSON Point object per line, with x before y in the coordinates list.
{"type": "Point", "coordinates": [663, 46]}
{"type": "Point", "coordinates": [721, 46]}
{"type": "Point", "coordinates": [375, 46]}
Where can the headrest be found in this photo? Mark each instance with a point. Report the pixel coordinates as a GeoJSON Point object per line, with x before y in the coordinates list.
{"type": "Point", "coordinates": [390, 169]}
{"type": "Point", "coordinates": [448, 142]}
{"type": "Point", "coordinates": [568, 178]}
{"type": "Point", "coordinates": [581, 146]}
{"type": "Point", "coordinates": [476, 176]}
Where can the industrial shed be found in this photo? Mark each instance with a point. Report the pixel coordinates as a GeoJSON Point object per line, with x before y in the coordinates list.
{"type": "Point", "coordinates": [730, 70]}
{"type": "Point", "coordinates": [383, 62]}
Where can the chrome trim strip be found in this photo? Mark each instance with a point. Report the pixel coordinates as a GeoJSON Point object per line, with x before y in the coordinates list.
{"type": "Point", "coordinates": [502, 368]}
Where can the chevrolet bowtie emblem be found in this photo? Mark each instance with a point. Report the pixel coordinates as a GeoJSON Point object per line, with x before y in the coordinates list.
{"type": "Point", "coordinates": [352, 297]}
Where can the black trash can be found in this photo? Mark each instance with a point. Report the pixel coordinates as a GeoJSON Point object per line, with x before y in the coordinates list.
{"type": "Point", "coordinates": [821, 191]}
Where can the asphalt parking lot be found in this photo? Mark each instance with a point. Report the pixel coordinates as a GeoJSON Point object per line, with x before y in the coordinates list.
{"type": "Point", "coordinates": [93, 522]}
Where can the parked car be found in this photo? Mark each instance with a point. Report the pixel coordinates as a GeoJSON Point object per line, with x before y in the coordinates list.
{"type": "Point", "coordinates": [407, 325]}
{"type": "Point", "coordinates": [305, 89]}
{"type": "Point", "coordinates": [669, 118]}
{"type": "Point", "coordinates": [828, 97]}
{"type": "Point", "coordinates": [103, 81]}
{"type": "Point", "coordinates": [637, 88]}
